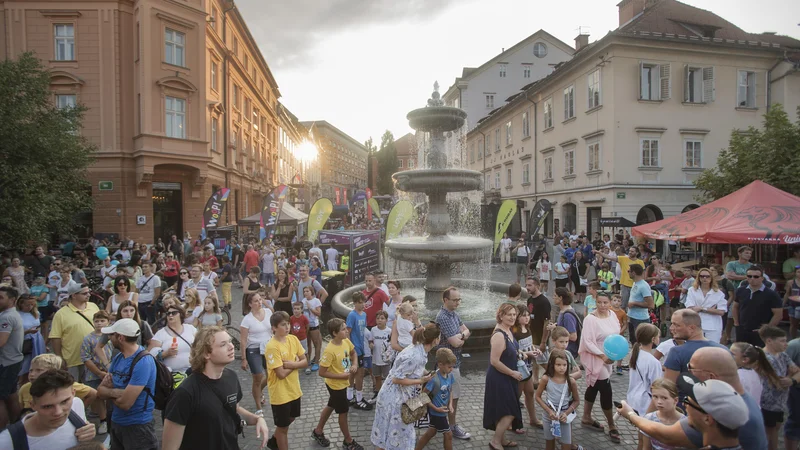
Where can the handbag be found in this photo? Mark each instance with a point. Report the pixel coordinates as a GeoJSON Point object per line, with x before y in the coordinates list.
{"type": "Point", "coordinates": [27, 347]}
{"type": "Point", "coordinates": [414, 408]}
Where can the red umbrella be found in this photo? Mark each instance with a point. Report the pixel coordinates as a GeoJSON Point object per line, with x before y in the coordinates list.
{"type": "Point", "coordinates": [756, 213]}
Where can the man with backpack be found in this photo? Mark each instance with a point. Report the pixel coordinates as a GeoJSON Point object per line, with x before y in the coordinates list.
{"type": "Point", "coordinates": [131, 384]}
{"type": "Point", "coordinates": [58, 421]}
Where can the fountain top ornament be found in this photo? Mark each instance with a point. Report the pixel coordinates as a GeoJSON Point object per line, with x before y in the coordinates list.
{"type": "Point", "coordinates": [436, 117]}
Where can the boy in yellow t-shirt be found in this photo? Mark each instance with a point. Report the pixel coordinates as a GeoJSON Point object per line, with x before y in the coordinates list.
{"type": "Point", "coordinates": [40, 365]}
{"type": "Point", "coordinates": [339, 361]}
{"type": "Point", "coordinates": [284, 356]}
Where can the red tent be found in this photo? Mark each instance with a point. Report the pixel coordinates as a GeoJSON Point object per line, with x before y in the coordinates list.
{"type": "Point", "coordinates": [756, 213]}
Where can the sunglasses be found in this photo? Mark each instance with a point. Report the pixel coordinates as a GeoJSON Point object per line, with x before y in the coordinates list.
{"type": "Point", "coordinates": [690, 402]}
{"type": "Point", "coordinates": [705, 276]}
{"type": "Point", "coordinates": [754, 276]}
{"type": "Point", "coordinates": [173, 313]}
{"type": "Point", "coordinates": [184, 273]}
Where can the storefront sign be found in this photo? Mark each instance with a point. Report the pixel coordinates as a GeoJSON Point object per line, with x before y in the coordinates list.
{"type": "Point", "coordinates": [621, 195]}
{"type": "Point", "coordinates": [106, 186]}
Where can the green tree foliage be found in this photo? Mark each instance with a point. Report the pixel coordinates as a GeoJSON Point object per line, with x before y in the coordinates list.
{"type": "Point", "coordinates": [387, 164]}
{"type": "Point", "coordinates": [770, 154]}
{"type": "Point", "coordinates": [43, 158]}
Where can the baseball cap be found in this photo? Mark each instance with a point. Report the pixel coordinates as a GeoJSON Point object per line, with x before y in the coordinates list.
{"type": "Point", "coordinates": [74, 289]}
{"type": "Point", "coordinates": [125, 327]}
{"type": "Point", "coordinates": [715, 398]}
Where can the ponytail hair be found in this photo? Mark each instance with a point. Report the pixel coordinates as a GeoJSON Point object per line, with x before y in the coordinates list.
{"type": "Point", "coordinates": [645, 333]}
{"type": "Point", "coordinates": [427, 334]}
{"type": "Point", "coordinates": [757, 360]}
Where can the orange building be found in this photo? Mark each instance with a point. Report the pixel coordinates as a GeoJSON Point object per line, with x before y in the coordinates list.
{"type": "Point", "coordinates": [180, 102]}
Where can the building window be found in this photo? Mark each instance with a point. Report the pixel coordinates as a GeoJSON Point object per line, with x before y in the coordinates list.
{"type": "Point", "coordinates": [593, 81]}
{"type": "Point", "coordinates": [503, 68]}
{"type": "Point", "coordinates": [746, 97]}
{"type": "Point", "coordinates": [569, 162]}
{"type": "Point", "coordinates": [482, 148]}
{"type": "Point", "coordinates": [497, 180]}
{"type": "Point", "coordinates": [236, 47]}
{"type": "Point", "coordinates": [508, 176]}
{"type": "Point", "coordinates": [569, 102]}
{"type": "Point", "coordinates": [526, 173]}
{"type": "Point", "coordinates": [247, 108]}
{"type": "Point", "coordinates": [487, 184]}
{"type": "Point", "coordinates": [548, 113]}
{"type": "Point", "coordinates": [64, 35]}
{"type": "Point", "coordinates": [594, 156]}
{"type": "Point", "coordinates": [176, 117]}
{"type": "Point", "coordinates": [214, 15]}
{"type": "Point", "coordinates": [540, 49]}
{"type": "Point", "coordinates": [236, 96]}
{"type": "Point", "coordinates": [174, 51]}
{"type": "Point", "coordinates": [526, 124]}
{"type": "Point", "coordinates": [410, 163]}
{"type": "Point", "coordinates": [497, 140]}
{"type": "Point", "coordinates": [548, 168]}
{"type": "Point", "coordinates": [214, 124]}
{"type": "Point", "coordinates": [694, 154]}
{"type": "Point", "coordinates": [490, 101]}
{"type": "Point", "coordinates": [488, 144]}
{"type": "Point", "coordinates": [214, 76]}
{"type": "Point", "coordinates": [654, 81]}
{"type": "Point", "coordinates": [698, 85]}
{"type": "Point", "coordinates": [650, 156]}
{"type": "Point", "coordinates": [400, 163]}
{"type": "Point", "coordinates": [526, 71]}
{"type": "Point", "coordinates": [66, 101]}
{"type": "Point", "coordinates": [508, 133]}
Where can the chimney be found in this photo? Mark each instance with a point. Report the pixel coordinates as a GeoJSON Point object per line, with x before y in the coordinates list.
{"type": "Point", "coordinates": [582, 40]}
{"type": "Point", "coordinates": [628, 9]}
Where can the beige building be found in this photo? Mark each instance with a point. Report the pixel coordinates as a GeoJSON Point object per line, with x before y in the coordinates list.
{"type": "Point", "coordinates": [180, 102]}
{"type": "Point", "coordinates": [626, 126]}
{"type": "Point", "coordinates": [342, 162]}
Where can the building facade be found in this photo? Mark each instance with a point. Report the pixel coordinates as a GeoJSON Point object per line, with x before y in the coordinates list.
{"type": "Point", "coordinates": [480, 90]}
{"type": "Point", "coordinates": [342, 162]}
{"type": "Point", "coordinates": [180, 103]}
{"type": "Point", "coordinates": [626, 126]}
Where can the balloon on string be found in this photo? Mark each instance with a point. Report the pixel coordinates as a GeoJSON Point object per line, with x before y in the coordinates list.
{"type": "Point", "coordinates": [615, 347]}
{"type": "Point", "coordinates": [101, 253]}
{"type": "Point", "coordinates": [115, 263]}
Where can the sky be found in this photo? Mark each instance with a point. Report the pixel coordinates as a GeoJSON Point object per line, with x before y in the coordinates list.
{"type": "Point", "coordinates": [362, 65]}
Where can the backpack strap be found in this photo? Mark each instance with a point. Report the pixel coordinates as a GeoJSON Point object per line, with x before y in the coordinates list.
{"type": "Point", "coordinates": [146, 390]}
{"type": "Point", "coordinates": [76, 420]}
{"type": "Point", "coordinates": [19, 438]}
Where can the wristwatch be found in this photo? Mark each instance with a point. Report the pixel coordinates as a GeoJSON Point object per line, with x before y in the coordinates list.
{"type": "Point", "coordinates": [631, 412]}
{"type": "Point", "coordinates": [463, 338]}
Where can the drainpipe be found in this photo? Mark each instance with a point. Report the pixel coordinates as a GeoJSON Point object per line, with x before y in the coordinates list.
{"type": "Point", "coordinates": [535, 150]}
{"type": "Point", "coordinates": [225, 105]}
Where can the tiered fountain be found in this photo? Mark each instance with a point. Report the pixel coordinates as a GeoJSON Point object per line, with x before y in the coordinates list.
{"type": "Point", "coordinates": [438, 249]}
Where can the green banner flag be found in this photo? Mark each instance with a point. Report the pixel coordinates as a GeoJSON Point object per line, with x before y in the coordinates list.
{"type": "Point", "coordinates": [318, 216]}
{"type": "Point", "coordinates": [508, 209]}
{"type": "Point", "coordinates": [376, 209]}
{"type": "Point", "coordinates": [398, 217]}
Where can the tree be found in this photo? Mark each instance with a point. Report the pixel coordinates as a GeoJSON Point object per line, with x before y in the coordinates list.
{"type": "Point", "coordinates": [43, 158]}
{"type": "Point", "coordinates": [387, 164]}
{"type": "Point", "coordinates": [771, 154]}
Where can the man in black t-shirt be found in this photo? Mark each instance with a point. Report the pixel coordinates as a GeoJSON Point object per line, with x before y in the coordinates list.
{"type": "Point", "coordinates": [539, 307]}
{"type": "Point", "coordinates": [755, 305]}
{"type": "Point", "coordinates": [39, 263]}
{"type": "Point", "coordinates": [204, 411]}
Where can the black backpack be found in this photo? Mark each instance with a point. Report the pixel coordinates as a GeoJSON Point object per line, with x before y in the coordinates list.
{"type": "Point", "coordinates": [164, 383]}
{"type": "Point", "coordinates": [19, 438]}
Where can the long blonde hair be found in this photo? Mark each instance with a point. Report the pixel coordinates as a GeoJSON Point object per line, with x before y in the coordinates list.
{"type": "Point", "coordinates": [195, 298]}
{"type": "Point", "coordinates": [25, 297]}
{"type": "Point", "coordinates": [714, 284]}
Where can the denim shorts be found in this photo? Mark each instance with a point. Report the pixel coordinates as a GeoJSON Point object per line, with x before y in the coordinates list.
{"type": "Point", "coordinates": [794, 311]}
{"type": "Point", "coordinates": [256, 361]}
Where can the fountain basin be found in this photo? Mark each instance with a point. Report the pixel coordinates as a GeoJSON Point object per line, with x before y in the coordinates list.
{"type": "Point", "coordinates": [438, 180]}
{"type": "Point", "coordinates": [480, 300]}
{"type": "Point", "coordinates": [439, 249]}
{"type": "Point", "coordinates": [437, 118]}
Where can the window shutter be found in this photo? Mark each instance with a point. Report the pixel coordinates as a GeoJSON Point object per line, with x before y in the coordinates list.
{"type": "Point", "coordinates": [664, 79]}
{"type": "Point", "coordinates": [761, 91]}
{"type": "Point", "coordinates": [686, 83]}
{"type": "Point", "coordinates": [641, 74]}
{"type": "Point", "coordinates": [709, 88]}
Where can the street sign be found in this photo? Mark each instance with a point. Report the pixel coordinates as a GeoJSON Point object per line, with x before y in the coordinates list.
{"type": "Point", "coordinates": [106, 186]}
{"type": "Point", "coordinates": [620, 195]}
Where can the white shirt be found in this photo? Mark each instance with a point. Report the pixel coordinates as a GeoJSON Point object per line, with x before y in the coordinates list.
{"type": "Point", "coordinates": [404, 328]}
{"type": "Point", "coordinates": [54, 279]}
{"type": "Point", "coordinates": [259, 333]}
{"type": "Point", "coordinates": [332, 254]}
{"type": "Point", "coordinates": [381, 340]}
{"type": "Point", "coordinates": [385, 289]}
{"type": "Point", "coordinates": [126, 255]}
{"type": "Point", "coordinates": [210, 277]}
{"type": "Point", "coordinates": [315, 251]}
{"type": "Point", "coordinates": [147, 285]}
{"type": "Point", "coordinates": [63, 437]}
{"type": "Point", "coordinates": [695, 297]}
{"type": "Point", "coordinates": [648, 369]}
{"type": "Point", "coordinates": [367, 340]}
{"type": "Point", "coordinates": [204, 287]}
{"type": "Point", "coordinates": [63, 290]}
{"type": "Point", "coordinates": [108, 274]}
{"type": "Point", "coordinates": [505, 244]}
{"type": "Point", "coordinates": [664, 347]}
{"type": "Point", "coordinates": [751, 382]}
{"type": "Point", "coordinates": [268, 262]}
{"type": "Point", "coordinates": [308, 305]}
{"type": "Point", "coordinates": [179, 362]}
{"type": "Point", "coordinates": [391, 309]}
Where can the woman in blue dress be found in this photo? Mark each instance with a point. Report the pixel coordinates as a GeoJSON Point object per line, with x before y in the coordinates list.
{"type": "Point", "coordinates": [26, 306]}
{"type": "Point", "coordinates": [404, 382]}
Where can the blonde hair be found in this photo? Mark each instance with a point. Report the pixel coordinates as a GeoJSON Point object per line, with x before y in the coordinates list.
{"type": "Point", "coordinates": [48, 361]}
{"type": "Point", "coordinates": [195, 296]}
{"type": "Point", "coordinates": [405, 308]}
{"type": "Point", "coordinates": [25, 297]}
{"type": "Point", "coordinates": [445, 356]}
{"type": "Point", "coordinates": [214, 310]}
{"type": "Point", "coordinates": [714, 284]}
{"type": "Point", "coordinates": [202, 346]}
{"type": "Point", "coordinates": [667, 385]}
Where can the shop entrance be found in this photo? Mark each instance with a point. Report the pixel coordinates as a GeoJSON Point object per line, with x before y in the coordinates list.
{"type": "Point", "coordinates": [167, 211]}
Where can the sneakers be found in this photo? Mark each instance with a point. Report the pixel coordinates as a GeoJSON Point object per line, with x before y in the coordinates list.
{"type": "Point", "coordinates": [272, 443]}
{"type": "Point", "coordinates": [320, 438]}
{"type": "Point", "coordinates": [371, 401]}
{"type": "Point", "coordinates": [460, 433]}
{"type": "Point", "coordinates": [314, 367]}
{"type": "Point", "coordinates": [308, 371]}
{"type": "Point", "coordinates": [352, 401]}
{"type": "Point", "coordinates": [102, 428]}
{"type": "Point", "coordinates": [362, 405]}
{"type": "Point", "coordinates": [353, 445]}
{"type": "Point", "coordinates": [619, 370]}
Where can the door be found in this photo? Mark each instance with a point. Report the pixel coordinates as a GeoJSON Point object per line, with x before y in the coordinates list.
{"type": "Point", "coordinates": [593, 221]}
{"type": "Point", "coordinates": [167, 211]}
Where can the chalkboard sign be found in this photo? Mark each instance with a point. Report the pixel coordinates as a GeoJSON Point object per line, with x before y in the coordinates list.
{"type": "Point", "coordinates": [365, 256]}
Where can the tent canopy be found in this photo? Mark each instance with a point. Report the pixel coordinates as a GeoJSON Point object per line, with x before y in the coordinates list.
{"type": "Point", "coordinates": [616, 222]}
{"type": "Point", "coordinates": [289, 216]}
{"type": "Point", "coordinates": [756, 213]}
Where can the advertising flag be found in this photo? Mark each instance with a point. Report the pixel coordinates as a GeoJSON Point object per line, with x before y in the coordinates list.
{"type": "Point", "coordinates": [538, 215]}
{"type": "Point", "coordinates": [375, 207]}
{"type": "Point", "coordinates": [358, 196]}
{"type": "Point", "coordinates": [338, 196]}
{"type": "Point", "coordinates": [318, 216]}
{"type": "Point", "coordinates": [508, 209]}
{"type": "Point", "coordinates": [368, 205]}
{"type": "Point", "coordinates": [271, 211]}
{"type": "Point", "coordinates": [398, 217]}
{"type": "Point", "coordinates": [213, 210]}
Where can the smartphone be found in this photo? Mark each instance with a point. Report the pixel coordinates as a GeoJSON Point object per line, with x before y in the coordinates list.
{"type": "Point", "coordinates": [617, 404]}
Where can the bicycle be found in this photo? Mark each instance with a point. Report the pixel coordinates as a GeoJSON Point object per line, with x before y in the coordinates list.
{"type": "Point", "coordinates": [235, 340]}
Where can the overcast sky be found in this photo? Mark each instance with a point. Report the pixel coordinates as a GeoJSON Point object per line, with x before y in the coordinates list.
{"type": "Point", "coordinates": [363, 64]}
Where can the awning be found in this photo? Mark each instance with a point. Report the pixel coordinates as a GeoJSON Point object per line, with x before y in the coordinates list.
{"type": "Point", "coordinates": [756, 213]}
{"type": "Point", "coordinates": [289, 216]}
{"type": "Point", "coordinates": [616, 222]}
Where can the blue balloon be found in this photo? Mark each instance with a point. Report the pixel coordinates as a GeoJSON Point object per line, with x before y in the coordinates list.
{"type": "Point", "coordinates": [101, 253]}
{"type": "Point", "coordinates": [615, 347]}
{"type": "Point", "coordinates": [115, 263]}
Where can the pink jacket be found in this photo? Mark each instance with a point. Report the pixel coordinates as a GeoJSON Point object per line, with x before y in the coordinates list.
{"type": "Point", "coordinates": [595, 331]}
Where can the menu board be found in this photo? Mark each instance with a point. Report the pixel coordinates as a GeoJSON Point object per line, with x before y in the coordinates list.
{"type": "Point", "coordinates": [365, 255]}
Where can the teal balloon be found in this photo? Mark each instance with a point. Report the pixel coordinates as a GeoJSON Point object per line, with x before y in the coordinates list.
{"type": "Point", "coordinates": [115, 263]}
{"type": "Point", "coordinates": [101, 253]}
{"type": "Point", "coordinates": [615, 347]}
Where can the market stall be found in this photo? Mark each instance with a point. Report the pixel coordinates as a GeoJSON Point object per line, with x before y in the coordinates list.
{"type": "Point", "coordinates": [291, 220]}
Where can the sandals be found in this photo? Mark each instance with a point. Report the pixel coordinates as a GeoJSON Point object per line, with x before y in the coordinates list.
{"type": "Point", "coordinates": [594, 426]}
{"type": "Point", "coordinates": [614, 436]}
{"type": "Point", "coordinates": [509, 444]}
{"type": "Point", "coordinates": [538, 425]}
